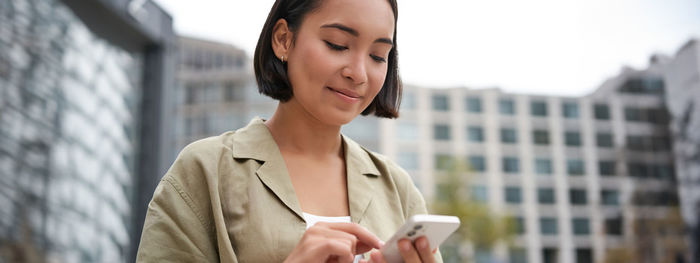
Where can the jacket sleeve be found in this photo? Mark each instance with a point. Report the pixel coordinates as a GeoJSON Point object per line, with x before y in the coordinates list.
{"type": "Point", "coordinates": [174, 229]}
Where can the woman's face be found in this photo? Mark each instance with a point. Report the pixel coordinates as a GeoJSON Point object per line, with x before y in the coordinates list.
{"type": "Point", "coordinates": [338, 62]}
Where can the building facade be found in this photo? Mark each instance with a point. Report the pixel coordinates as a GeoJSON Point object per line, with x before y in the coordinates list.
{"type": "Point", "coordinates": [216, 91]}
{"type": "Point", "coordinates": [682, 76]}
{"type": "Point", "coordinates": [587, 179]}
{"type": "Point", "coordinates": [81, 118]}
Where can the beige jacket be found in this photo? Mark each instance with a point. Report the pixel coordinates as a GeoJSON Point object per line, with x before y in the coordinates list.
{"type": "Point", "coordinates": [229, 198]}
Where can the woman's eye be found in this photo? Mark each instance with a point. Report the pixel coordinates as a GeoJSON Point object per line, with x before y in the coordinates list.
{"type": "Point", "coordinates": [378, 58]}
{"type": "Point", "coordinates": [335, 47]}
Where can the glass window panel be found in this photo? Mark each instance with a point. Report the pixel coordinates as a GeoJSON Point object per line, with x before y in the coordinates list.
{"type": "Point", "coordinates": [610, 197]}
{"type": "Point", "coordinates": [604, 140]}
{"type": "Point", "coordinates": [581, 226]}
{"type": "Point", "coordinates": [441, 132]}
{"type": "Point", "coordinates": [548, 226]}
{"type": "Point", "coordinates": [540, 137]}
{"type": "Point", "coordinates": [543, 166]}
{"type": "Point", "coordinates": [473, 104]}
{"type": "Point", "coordinates": [506, 107]}
{"type": "Point", "coordinates": [575, 167]}
{"type": "Point", "coordinates": [440, 102]}
{"type": "Point", "coordinates": [578, 196]}
{"type": "Point", "coordinates": [538, 108]}
{"type": "Point", "coordinates": [570, 110]}
{"type": "Point", "coordinates": [513, 195]}
{"type": "Point", "coordinates": [606, 168]}
{"type": "Point", "coordinates": [477, 163]}
{"type": "Point", "coordinates": [475, 134]}
{"type": "Point", "coordinates": [508, 135]}
{"type": "Point", "coordinates": [572, 139]}
{"type": "Point", "coordinates": [511, 165]}
{"type": "Point", "coordinates": [601, 111]}
{"type": "Point", "coordinates": [545, 196]}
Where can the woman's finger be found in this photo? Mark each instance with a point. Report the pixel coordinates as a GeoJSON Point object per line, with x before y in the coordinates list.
{"type": "Point", "coordinates": [423, 247]}
{"type": "Point", "coordinates": [377, 257]}
{"type": "Point", "coordinates": [408, 252]}
{"type": "Point", "coordinates": [367, 240]}
{"type": "Point", "coordinates": [334, 250]}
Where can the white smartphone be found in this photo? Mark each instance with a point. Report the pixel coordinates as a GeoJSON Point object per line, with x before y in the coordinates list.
{"type": "Point", "coordinates": [435, 227]}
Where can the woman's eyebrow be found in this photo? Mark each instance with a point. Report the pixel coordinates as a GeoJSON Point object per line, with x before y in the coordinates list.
{"type": "Point", "coordinates": [354, 32]}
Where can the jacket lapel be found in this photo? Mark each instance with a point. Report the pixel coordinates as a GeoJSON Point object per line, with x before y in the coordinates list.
{"type": "Point", "coordinates": [360, 171]}
{"type": "Point", "coordinates": [255, 142]}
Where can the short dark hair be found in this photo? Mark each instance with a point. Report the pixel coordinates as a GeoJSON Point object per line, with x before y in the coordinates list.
{"type": "Point", "coordinates": [271, 73]}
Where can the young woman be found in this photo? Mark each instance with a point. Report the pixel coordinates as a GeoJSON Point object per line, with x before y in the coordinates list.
{"type": "Point", "coordinates": [292, 188]}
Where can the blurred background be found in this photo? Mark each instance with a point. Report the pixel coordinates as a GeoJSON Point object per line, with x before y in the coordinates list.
{"type": "Point", "coordinates": [560, 131]}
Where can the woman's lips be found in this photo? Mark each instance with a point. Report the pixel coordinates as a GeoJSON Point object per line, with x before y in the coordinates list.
{"type": "Point", "coordinates": [346, 95]}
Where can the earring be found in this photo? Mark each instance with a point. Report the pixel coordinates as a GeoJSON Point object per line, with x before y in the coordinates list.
{"type": "Point", "coordinates": [282, 58]}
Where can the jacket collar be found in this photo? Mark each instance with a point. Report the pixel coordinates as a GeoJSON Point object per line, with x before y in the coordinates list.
{"type": "Point", "coordinates": [255, 142]}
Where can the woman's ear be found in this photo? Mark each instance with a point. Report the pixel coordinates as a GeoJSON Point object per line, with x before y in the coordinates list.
{"type": "Point", "coordinates": [281, 39]}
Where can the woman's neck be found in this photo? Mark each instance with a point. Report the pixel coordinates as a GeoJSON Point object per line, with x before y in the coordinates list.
{"type": "Point", "coordinates": [298, 132]}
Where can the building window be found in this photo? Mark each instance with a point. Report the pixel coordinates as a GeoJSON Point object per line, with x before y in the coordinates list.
{"type": "Point", "coordinates": [408, 160]}
{"type": "Point", "coordinates": [613, 226]}
{"type": "Point", "coordinates": [440, 103]}
{"type": "Point", "coordinates": [548, 226]}
{"type": "Point", "coordinates": [633, 114]}
{"type": "Point", "coordinates": [475, 134]}
{"type": "Point", "coordinates": [519, 225]}
{"type": "Point", "coordinates": [604, 140]}
{"type": "Point", "coordinates": [575, 167]}
{"type": "Point", "coordinates": [517, 255]}
{"type": "Point", "coordinates": [508, 136]}
{"type": "Point", "coordinates": [606, 168]}
{"type": "Point", "coordinates": [570, 110]}
{"type": "Point", "coordinates": [477, 163]}
{"type": "Point", "coordinates": [480, 193]}
{"type": "Point", "coordinates": [473, 104]}
{"type": "Point", "coordinates": [584, 255]}
{"type": "Point", "coordinates": [538, 108]}
{"type": "Point", "coordinates": [601, 111]}
{"type": "Point", "coordinates": [441, 132]}
{"type": "Point", "coordinates": [578, 196]}
{"type": "Point", "coordinates": [443, 161]}
{"type": "Point", "coordinates": [511, 165]}
{"type": "Point", "coordinates": [549, 255]}
{"type": "Point", "coordinates": [513, 195]}
{"type": "Point", "coordinates": [543, 166]}
{"type": "Point", "coordinates": [540, 137]}
{"type": "Point", "coordinates": [572, 139]}
{"type": "Point", "coordinates": [545, 196]}
{"type": "Point", "coordinates": [581, 226]}
{"type": "Point", "coordinates": [610, 197]}
{"type": "Point", "coordinates": [506, 107]}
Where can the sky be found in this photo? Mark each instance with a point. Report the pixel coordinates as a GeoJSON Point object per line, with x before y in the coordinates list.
{"type": "Point", "coordinates": [549, 47]}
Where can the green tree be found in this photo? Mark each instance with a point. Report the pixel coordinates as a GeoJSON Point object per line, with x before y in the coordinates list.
{"type": "Point", "coordinates": [481, 227]}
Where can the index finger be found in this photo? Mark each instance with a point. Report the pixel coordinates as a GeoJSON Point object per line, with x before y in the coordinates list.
{"type": "Point", "coordinates": [363, 235]}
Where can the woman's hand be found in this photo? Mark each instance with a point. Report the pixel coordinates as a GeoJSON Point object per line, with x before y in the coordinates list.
{"type": "Point", "coordinates": [411, 253]}
{"type": "Point", "coordinates": [333, 242]}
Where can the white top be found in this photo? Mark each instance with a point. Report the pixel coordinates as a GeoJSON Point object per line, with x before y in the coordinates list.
{"type": "Point", "coordinates": [313, 219]}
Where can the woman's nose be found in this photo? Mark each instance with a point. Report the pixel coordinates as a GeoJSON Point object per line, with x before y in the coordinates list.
{"type": "Point", "coordinates": [356, 70]}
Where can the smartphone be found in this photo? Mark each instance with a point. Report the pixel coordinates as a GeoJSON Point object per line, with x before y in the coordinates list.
{"type": "Point", "coordinates": [435, 227]}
